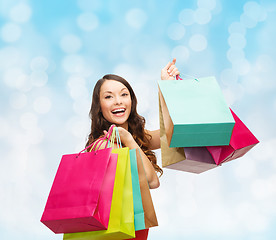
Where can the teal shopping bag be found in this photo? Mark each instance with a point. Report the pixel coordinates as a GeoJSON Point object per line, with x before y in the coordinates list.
{"type": "Point", "coordinates": [139, 217]}
{"type": "Point", "coordinates": [195, 113]}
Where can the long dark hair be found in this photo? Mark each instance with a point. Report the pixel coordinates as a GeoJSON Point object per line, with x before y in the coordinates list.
{"type": "Point", "coordinates": [136, 123]}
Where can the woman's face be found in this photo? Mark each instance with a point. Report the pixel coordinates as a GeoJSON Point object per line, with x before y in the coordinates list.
{"type": "Point", "coordinates": [115, 102]}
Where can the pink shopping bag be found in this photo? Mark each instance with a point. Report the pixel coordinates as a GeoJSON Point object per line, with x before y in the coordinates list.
{"type": "Point", "coordinates": [242, 140]}
{"type": "Point", "coordinates": [81, 194]}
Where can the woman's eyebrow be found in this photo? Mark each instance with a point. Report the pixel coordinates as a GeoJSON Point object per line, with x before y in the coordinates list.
{"type": "Point", "coordinates": [123, 89]}
{"type": "Point", "coordinates": [107, 91]}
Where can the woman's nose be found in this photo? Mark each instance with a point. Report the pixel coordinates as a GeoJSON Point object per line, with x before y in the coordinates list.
{"type": "Point", "coordinates": [118, 100]}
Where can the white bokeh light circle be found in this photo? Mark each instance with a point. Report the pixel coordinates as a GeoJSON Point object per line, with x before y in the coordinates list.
{"type": "Point", "coordinates": [262, 189]}
{"type": "Point", "coordinates": [237, 40]}
{"type": "Point", "coordinates": [198, 43]}
{"type": "Point", "coordinates": [202, 16]}
{"type": "Point", "coordinates": [15, 77]}
{"type": "Point", "coordinates": [39, 78]}
{"type": "Point", "coordinates": [28, 120]}
{"type": "Point", "coordinates": [9, 56]}
{"type": "Point", "coordinates": [88, 21]}
{"type": "Point", "coordinates": [70, 43]}
{"type": "Point", "coordinates": [186, 17]}
{"type": "Point", "coordinates": [21, 13]}
{"type": "Point", "coordinates": [4, 127]}
{"type": "Point", "coordinates": [79, 91]}
{"type": "Point", "coordinates": [73, 63]}
{"type": "Point", "coordinates": [181, 53]}
{"type": "Point", "coordinates": [228, 77]}
{"type": "Point", "coordinates": [34, 135]}
{"type": "Point", "coordinates": [88, 5]}
{"type": "Point", "coordinates": [11, 32]}
{"type": "Point", "coordinates": [39, 63]}
{"type": "Point", "coordinates": [265, 63]}
{"type": "Point", "coordinates": [237, 27]}
{"type": "Point", "coordinates": [176, 31]}
{"type": "Point", "coordinates": [245, 169]}
{"type": "Point", "coordinates": [241, 66]}
{"type": "Point", "coordinates": [233, 54]}
{"type": "Point", "coordinates": [252, 83]}
{"type": "Point", "coordinates": [18, 100]}
{"type": "Point", "coordinates": [136, 18]}
{"type": "Point", "coordinates": [254, 11]}
{"type": "Point", "coordinates": [247, 21]}
{"type": "Point", "coordinates": [42, 105]}
{"type": "Point", "coordinates": [207, 4]}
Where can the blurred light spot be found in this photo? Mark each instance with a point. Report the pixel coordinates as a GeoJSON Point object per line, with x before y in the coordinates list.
{"type": "Point", "coordinates": [247, 21]}
{"type": "Point", "coordinates": [8, 57]}
{"type": "Point", "coordinates": [265, 63]}
{"type": "Point", "coordinates": [202, 16]}
{"type": "Point", "coordinates": [136, 18]}
{"type": "Point", "coordinates": [241, 66]}
{"type": "Point", "coordinates": [82, 106]}
{"type": "Point", "coordinates": [28, 120]}
{"type": "Point", "coordinates": [254, 11]}
{"type": "Point", "coordinates": [75, 81]}
{"type": "Point", "coordinates": [73, 64]}
{"type": "Point", "coordinates": [198, 42]}
{"type": "Point", "coordinates": [4, 127]}
{"type": "Point", "coordinates": [42, 105]}
{"type": "Point", "coordinates": [245, 168]}
{"type": "Point", "coordinates": [88, 21]}
{"type": "Point", "coordinates": [77, 126]}
{"type": "Point", "coordinates": [228, 77]}
{"type": "Point", "coordinates": [249, 216]}
{"type": "Point", "coordinates": [21, 13]}
{"type": "Point", "coordinates": [88, 5]}
{"type": "Point", "coordinates": [70, 43]}
{"type": "Point", "coordinates": [186, 17]}
{"type": "Point", "coordinates": [181, 53]}
{"type": "Point", "coordinates": [237, 27]}
{"type": "Point", "coordinates": [233, 54]}
{"type": "Point", "coordinates": [39, 78]}
{"type": "Point", "coordinates": [39, 64]}
{"type": "Point", "coordinates": [79, 91]}
{"type": "Point", "coordinates": [176, 31]}
{"type": "Point", "coordinates": [15, 77]}
{"type": "Point", "coordinates": [10, 32]}
{"type": "Point", "coordinates": [262, 189]}
{"type": "Point", "coordinates": [207, 4]}
{"type": "Point", "coordinates": [252, 83]}
{"type": "Point", "coordinates": [18, 100]}
{"type": "Point", "coordinates": [77, 87]}
{"type": "Point", "coordinates": [237, 40]}
{"type": "Point", "coordinates": [34, 135]}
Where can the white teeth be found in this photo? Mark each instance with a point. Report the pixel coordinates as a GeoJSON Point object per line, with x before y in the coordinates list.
{"type": "Point", "coordinates": [119, 110]}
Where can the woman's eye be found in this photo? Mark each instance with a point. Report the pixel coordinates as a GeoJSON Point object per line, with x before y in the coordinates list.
{"type": "Point", "coordinates": [108, 96]}
{"type": "Point", "coordinates": [125, 94]}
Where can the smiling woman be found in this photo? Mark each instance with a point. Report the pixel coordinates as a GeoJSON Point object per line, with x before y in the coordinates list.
{"type": "Point", "coordinates": [114, 102]}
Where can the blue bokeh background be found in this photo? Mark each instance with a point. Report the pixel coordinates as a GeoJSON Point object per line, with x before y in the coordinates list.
{"type": "Point", "coordinates": [53, 52]}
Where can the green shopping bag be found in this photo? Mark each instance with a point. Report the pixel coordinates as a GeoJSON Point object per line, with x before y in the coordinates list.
{"type": "Point", "coordinates": [121, 220]}
{"type": "Point", "coordinates": [139, 216]}
{"type": "Point", "coordinates": [195, 113]}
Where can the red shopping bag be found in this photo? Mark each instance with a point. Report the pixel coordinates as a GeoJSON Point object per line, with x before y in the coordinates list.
{"type": "Point", "coordinates": [140, 235]}
{"type": "Point", "coordinates": [81, 194]}
{"type": "Point", "coordinates": [242, 140]}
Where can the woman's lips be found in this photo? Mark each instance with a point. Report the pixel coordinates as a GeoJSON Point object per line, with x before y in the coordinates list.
{"type": "Point", "coordinates": [118, 112]}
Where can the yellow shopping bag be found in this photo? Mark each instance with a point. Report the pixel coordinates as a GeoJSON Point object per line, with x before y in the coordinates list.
{"type": "Point", "coordinates": [121, 220]}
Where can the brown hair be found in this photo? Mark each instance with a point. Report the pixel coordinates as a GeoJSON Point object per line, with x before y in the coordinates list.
{"type": "Point", "coordinates": [136, 123]}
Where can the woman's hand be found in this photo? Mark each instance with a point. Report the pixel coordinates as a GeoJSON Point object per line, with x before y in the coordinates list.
{"type": "Point", "coordinates": [125, 136]}
{"type": "Point", "coordinates": [170, 71]}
